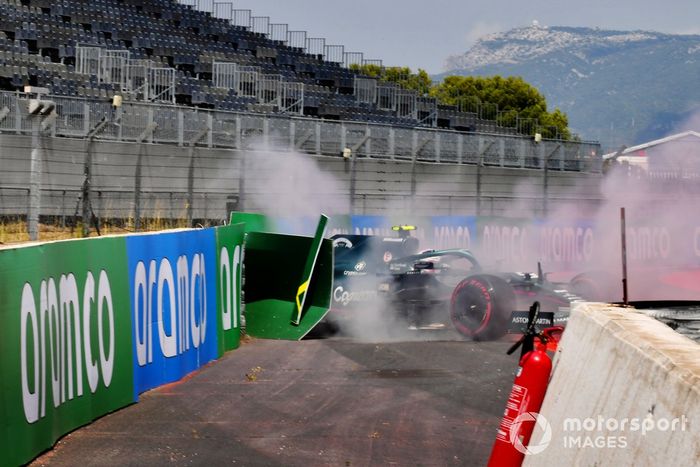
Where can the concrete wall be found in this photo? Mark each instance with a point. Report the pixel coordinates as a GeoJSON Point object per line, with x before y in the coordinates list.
{"type": "Point", "coordinates": [379, 186]}
{"type": "Point", "coordinates": [615, 364]}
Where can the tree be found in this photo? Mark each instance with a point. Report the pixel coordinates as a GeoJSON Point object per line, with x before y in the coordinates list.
{"type": "Point", "coordinates": [511, 101]}
{"type": "Point", "coordinates": [559, 121]}
{"type": "Point", "coordinates": [403, 76]}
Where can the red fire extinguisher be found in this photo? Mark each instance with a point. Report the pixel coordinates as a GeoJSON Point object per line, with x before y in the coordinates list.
{"type": "Point", "coordinates": [522, 409]}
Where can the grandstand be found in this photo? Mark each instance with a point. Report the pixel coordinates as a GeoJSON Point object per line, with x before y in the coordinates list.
{"type": "Point", "coordinates": [199, 89]}
{"type": "Point", "coordinates": [223, 58]}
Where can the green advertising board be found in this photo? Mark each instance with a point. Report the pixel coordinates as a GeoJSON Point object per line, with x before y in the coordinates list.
{"type": "Point", "coordinates": [253, 222]}
{"type": "Point", "coordinates": [65, 341]}
{"type": "Point", "coordinates": [229, 248]}
{"type": "Point", "coordinates": [309, 266]}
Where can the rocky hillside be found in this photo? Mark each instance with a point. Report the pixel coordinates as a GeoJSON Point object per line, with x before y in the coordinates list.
{"type": "Point", "coordinates": [618, 87]}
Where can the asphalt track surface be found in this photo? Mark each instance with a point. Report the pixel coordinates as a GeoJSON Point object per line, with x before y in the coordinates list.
{"type": "Point", "coordinates": [333, 402]}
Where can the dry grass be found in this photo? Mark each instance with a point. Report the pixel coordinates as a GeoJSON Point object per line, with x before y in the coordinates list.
{"type": "Point", "coordinates": [16, 232]}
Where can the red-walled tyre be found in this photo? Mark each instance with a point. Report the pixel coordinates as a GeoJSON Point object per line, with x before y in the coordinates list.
{"type": "Point", "coordinates": [481, 307]}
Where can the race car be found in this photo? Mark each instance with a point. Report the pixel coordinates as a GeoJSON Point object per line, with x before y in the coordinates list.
{"type": "Point", "coordinates": [439, 286]}
{"type": "Point", "coordinates": [360, 259]}
{"type": "Point", "coordinates": [436, 289]}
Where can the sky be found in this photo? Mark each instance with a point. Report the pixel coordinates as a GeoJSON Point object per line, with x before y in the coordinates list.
{"type": "Point", "coordinates": [422, 34]}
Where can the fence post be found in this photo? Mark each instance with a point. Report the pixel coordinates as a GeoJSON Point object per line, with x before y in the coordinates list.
{"type": "Point", "coordinates": [460, 148]}
{"type": "Point", "coordinates": [241, 181]}
{"type": "Point", "coordinates": [210, 130]}
{"type": "Point", "coordinates": [171, 213]}
{"type": "Point", "coordinates": [414, 157]}
{"type": "Point", "coordinates": [266, 131]}
{"type": "Point", "coordinates": [87, 182]}
{"type": "Point", "coordinates": [86, 118]}
{"type": "Point", "coordinates": [392, 142]}
{"type": "Point", "coordinates": [63, 208]}
{"type": "Point", "coordinates": [237, 138]}
{"type": "Point", "coordinates": [343, 138]}
{"type": "Point", "coordinates": [368, 143]}
{"type": "Point", "coordinates": [190, 185]}
{"type": "Point", "coordinates": [318, 137]}
{"type": "Point", "coordinates": [437, 146]}
{"type": "Point", "coordinates": [204, 132]}
{"type": "Point", "coordinates": [137, 189]}
{"type": "Point", "coordinates": [98, 219]}
{"type": "Point", "coordinates": [562, 159]}
{"type": "Point", "coordinates": [35, 181]}
{"type": "Point", "coordinates": [206, 210]}
{"type": "Point", "coordinates": [502, 152]}
{"type": "Point", "coordinates": [353, 179]}
{"type": "Point", "coordinates": [180, 128]}
{"type": "Point", "coordinates": [120, 117]}
{"type": "Point", "coordinates": [292, 134]}
{"type": "Point", "coordinates": [18, 116]}
{"type": "Point", "coordinates": [414, 144]}
{"type": "Point", "coordinates": [150, 123]}
{"type": "Point", "coordinates": [545, 182]}
{"type": "Point", "coordinates": [542, 155]}
{"type": "Point", "coordinates": [545, 186]}
{"type": "Point", "coordinates": [479, 163]}
{"type": "Point", "coordinates": [54, 125]}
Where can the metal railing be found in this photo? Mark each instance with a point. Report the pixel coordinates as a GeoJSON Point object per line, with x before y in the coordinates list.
{"type": "Point", "coordinates": [171, 124]}
{"type": "Point", "coordinates": [279, 32]}
{"type": "Point", "coordinates": [71, 179]}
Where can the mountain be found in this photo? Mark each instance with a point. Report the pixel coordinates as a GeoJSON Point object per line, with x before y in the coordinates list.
{"type": "Point", "coordinates": [617, 87]}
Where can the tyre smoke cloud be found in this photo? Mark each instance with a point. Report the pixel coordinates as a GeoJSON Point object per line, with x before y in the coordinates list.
{"type": "Point", "coordinates": [663, 225]}
{"type": "Point", "coordinates": [288, 184]}
{"type": "Point", "coordinates": [659, 189]}
{"type": "Point", "coordinates": [293, 186]}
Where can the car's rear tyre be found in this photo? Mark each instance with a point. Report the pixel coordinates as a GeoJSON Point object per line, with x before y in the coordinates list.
{"type": "Point", "coordinates": [481, 306]}
{"type": "Point", "coordinates": [598, 286]}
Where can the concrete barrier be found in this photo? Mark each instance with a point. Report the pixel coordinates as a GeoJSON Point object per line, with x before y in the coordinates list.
{"type": "Point", "coordinates": [625, 390]}
{"type": "Point", "coordinates": [162, 171]}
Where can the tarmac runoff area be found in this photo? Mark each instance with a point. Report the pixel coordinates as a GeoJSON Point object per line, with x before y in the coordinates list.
{"type": "Point", "coordinates": [315, 402]}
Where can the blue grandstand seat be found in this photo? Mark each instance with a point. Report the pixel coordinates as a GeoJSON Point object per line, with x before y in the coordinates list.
{"type": "Point", "coordinates": [42, 36]}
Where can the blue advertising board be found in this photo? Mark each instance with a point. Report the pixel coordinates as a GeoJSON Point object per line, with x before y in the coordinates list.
{"type": "Point", "coordinates": [454, 232]}
{"type": "Point", "coordinates": [173, 298]}
{"type": "Point", "coordinates": [370, 225]}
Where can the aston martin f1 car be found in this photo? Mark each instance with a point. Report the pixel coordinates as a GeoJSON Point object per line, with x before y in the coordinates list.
{"type": "Point", "coordinates": [359, 261]}
{"type": "Point", "coordinates": [437, 287]}
{"type": "Point", "coordinates": [450, 285]}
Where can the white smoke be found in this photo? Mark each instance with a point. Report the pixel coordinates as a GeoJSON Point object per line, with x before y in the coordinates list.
{"type": "Point", "coordinates": [290, 185]}
{"type": "Point", "coordinates": [663, 224]}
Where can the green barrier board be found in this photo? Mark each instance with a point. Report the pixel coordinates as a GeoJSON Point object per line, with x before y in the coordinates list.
{"type": "Point", "coordinates": [229, 248]}
{"type": "Point", "coordinates": [309, 265]}
{"type": "Point", "coordinates": [253, 222]}
{"type": "Point", "coordinates": [273, 266]}
{"type": "Point", "coordinates": [65, 341]}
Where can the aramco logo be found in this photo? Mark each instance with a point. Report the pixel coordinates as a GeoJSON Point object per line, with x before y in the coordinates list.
{"type": "Point", "coordinates": [541, 423]}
